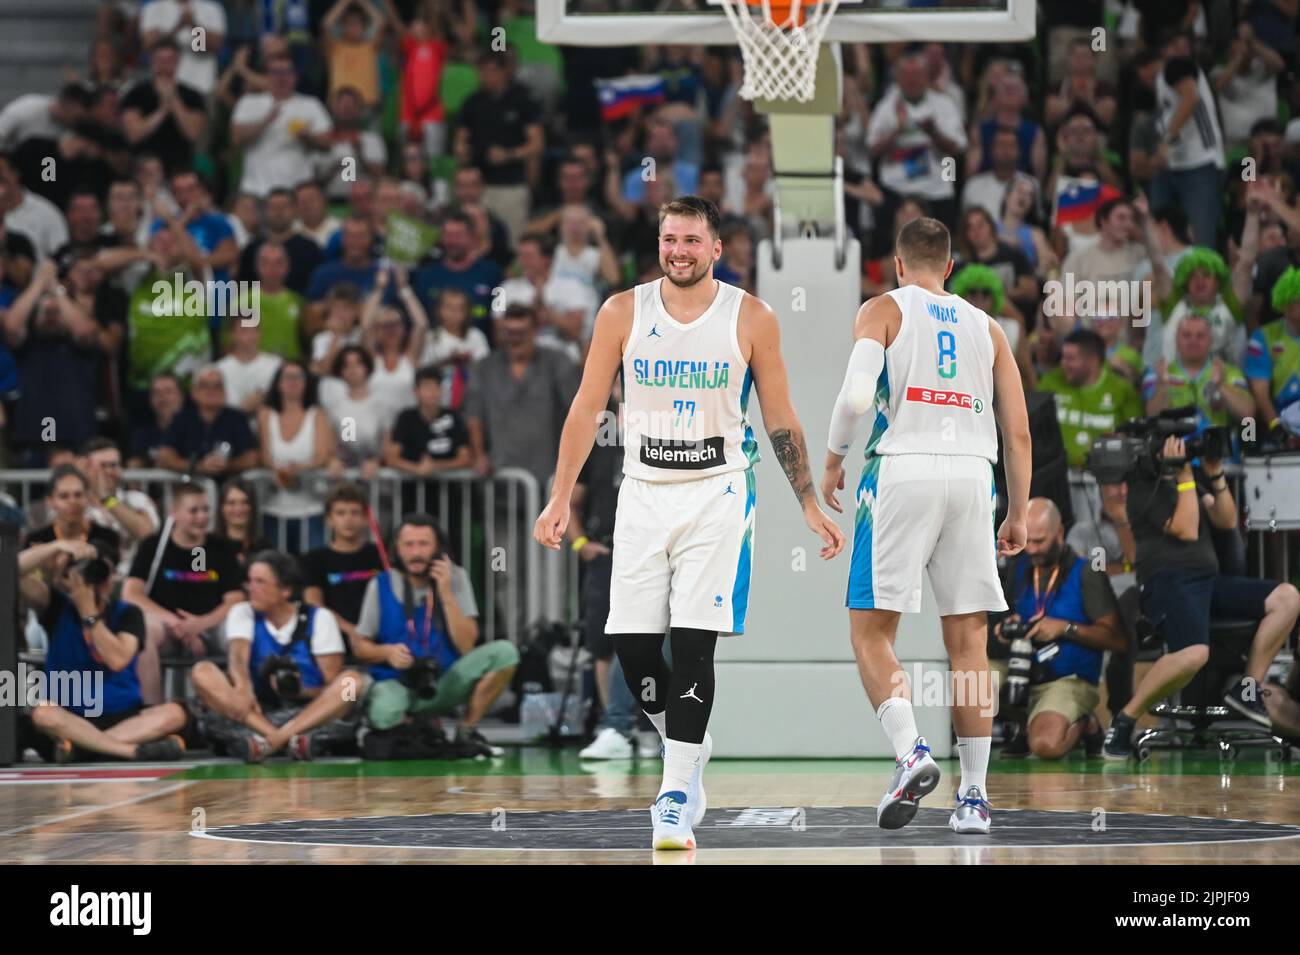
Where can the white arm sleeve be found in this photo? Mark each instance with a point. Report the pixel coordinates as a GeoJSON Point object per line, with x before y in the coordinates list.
{"type": "Point", "coordinates": [858, 393]}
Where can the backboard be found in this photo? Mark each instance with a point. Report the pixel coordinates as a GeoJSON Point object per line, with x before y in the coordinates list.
{"type": "Point", "coordinates": [639, 22]}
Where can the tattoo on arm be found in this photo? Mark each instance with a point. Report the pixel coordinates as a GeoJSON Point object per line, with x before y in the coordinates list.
{"type": "Point", "coordinates": [793, 455]}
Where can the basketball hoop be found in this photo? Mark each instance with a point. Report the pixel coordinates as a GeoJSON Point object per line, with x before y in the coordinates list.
{"type": "Point", "coordinates": [779, 41]}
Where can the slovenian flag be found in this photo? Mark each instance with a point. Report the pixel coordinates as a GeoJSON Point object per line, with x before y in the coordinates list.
{"type": "Point", "coordinates": [624, 95]}
{"type": "Point", "coordinates": [1078, 200]}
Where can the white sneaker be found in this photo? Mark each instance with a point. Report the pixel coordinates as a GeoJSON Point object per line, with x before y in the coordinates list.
{"type": "Point", "coordinates": [915, 775]}
{"type": "Point", "coordinates": [608, 744]}
{"type": "Point", "coordinates": [972, 812]}
{"type": "Point", "coordinates": [698, 802]}
{"type": "Point", "coordinates": [649, 745]}
{"type": "Point", "coordinates": [672, 825]}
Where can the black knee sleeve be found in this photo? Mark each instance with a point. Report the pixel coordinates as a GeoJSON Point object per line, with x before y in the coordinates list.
{"type": "Point", "coordinates": [644, 669]}
{"type": "Point", "coordinates": [690, 695]}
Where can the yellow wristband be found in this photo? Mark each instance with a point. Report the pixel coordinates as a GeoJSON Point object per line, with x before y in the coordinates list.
{"type": "Point", "coordinates": [1187, 486]}
{"type": "Point", "coordinates": [1273, 424]}
{"type": "Point", "coordinates": [580, 543]}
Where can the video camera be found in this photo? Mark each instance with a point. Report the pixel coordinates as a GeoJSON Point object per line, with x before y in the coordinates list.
{"type": "Point", "coordinates": [1138, 450]}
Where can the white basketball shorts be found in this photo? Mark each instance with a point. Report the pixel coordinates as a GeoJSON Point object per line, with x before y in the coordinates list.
{"type": "Point", "coordinates": [931, 513]}
{"type": "Point", "coordinates": [682, 554]}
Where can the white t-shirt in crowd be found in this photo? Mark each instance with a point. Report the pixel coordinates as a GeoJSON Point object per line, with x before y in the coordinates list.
{"type": "Point", "coordinates": [441, 345]}
{"type": "Point", "coordinates": [277, 159]}
{"type": "Point", "coordinates": [244, 378]}
{"type": "Point", "coordinates": [1199, 142]}
{"type": "Point", "coordinates": [41, 221]}
{"type": "Point", "coordinates": [559, 294]}
{"type": "Point", "coordinates": [325, 636]}
{"type": "Point", "coordinates": [370, 149]}
{"type": "Point", "coordinates": [198, 70]}
{"type": "Point", "coordinates": [107, 517]}
{"type": "Point", "coordinates": [914, 167]}
{"type": "Point", "coordinates": [396, 388]}
{"type": "Point", "coordinates": [26, 117]}
{"type": "Point", "coordinates": [584, 266]}
{"type": "Point", "coordinates": [1248, 97]}
{"type": "Point", "coordinates": [321, 341]}
{"type": "Point", "coordinates": [368, 419]}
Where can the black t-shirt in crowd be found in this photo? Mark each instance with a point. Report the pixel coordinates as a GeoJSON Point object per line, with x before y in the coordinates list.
{"type": "Point", "coordinates": [167, 141]}
{"type": "Point", "coordinates": [342, 577]}
{"type": "Point", "coordinates": [178, 585]}
{"type": "Point", "coordinates": [105, 538]}
{"type": "Point", "coordinates": [440, 438]}
{"type": "Point", "coordinates": [601, 476]}
{"type": "Point", "coordinates": [1150, 505]}
{"type": "Point", "coordinates": [499, 121]}
{"type": "Point", "coordinates": [192, 437]}
{"type": "Point", "coordinates": [304, 256]}
{"type": "Point", "coordinates": [1008, 262]}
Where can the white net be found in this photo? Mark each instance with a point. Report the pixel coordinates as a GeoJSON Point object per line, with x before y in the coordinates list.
{"type": "Point", "coordinates": [780, 58]}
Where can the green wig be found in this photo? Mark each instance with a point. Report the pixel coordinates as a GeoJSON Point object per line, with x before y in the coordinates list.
{"type": "Point", "coordinates": [1201, 259]}
{"type": "Point", "coordinates": [1286, 290]}
{"type": "Point", "coordinates": [980, 278]}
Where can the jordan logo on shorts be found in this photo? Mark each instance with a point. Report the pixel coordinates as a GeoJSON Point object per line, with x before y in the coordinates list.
{"type": "Point", "coordinates": [729, 490]}
{"type": "Point", "coordinates": [690, 694]}
{"type": "Point", "coordinates": [654, 332]}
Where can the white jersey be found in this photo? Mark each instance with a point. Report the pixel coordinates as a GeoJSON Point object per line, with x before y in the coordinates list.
{"type": "Point", "coordinates": [935, 395]}
{"type": "Point", "coordinates": [1200, 141]}
{"type": "Point", "coordinates": [685, 391]}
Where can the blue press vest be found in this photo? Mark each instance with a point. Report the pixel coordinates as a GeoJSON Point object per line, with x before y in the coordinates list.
{"type": "Point", "coordinates": [299, 649]}
{"type": "Point", "coordinates": [393, 629]}
{"type": "Point", "coordinates": [1065, 603]}
{"type": "Point", "coordinates": [69, 653]}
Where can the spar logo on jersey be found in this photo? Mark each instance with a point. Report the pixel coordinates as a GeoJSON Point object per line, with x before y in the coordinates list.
{"type": "Point", "coordinates": [949, 399]}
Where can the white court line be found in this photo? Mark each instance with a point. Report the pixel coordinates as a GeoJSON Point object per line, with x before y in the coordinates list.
{"type": "Point", "coordinates": [91, 810]}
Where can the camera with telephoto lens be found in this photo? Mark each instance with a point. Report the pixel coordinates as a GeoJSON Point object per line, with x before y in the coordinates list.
{"type": "Point", "coordinates": [280, 672]}
{"type": "Point", "coordinates": [93, 570]}
{"type": "Point", "coordinates": [1138, 450]}
{"type": "Point", "coordinates": [421, 677]}
{"type": "Point", "coordinates": [1020, 666]}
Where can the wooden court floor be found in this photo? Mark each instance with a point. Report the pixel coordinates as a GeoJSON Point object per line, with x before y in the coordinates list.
{"type": "Point", "coordinates": [539, 806]}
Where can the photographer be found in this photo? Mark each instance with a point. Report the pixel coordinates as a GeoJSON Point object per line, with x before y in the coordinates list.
{"type": "Point", "coordinates": [129, 512]}
{"type": "Point", "coordinates": [284, 685]}
{"type": "Point", "coordinates": [1172, 514]}
{"type": "Point", "coordinates": [1068, 611]}
{"type": "Point", "coordinates": [95, 705]}
{"type": "Point", "coordinates": [418, 629]}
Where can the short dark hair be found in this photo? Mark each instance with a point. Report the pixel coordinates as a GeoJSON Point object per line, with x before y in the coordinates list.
{"type": "Point", "coordinates": [344, 494]}
{"type": "Point", "coordinates": [544, 245]}
{"type": "Point", "coordinates": [286, 570]}
{"type": "Point", "coordinates": [67, 470]}
{"type": "Point", "coordinates": [187, 489]}
{"type": "Point", "coordinates": [416, 519]}
{"type": "Point", "coordinates": [428, 373]}
{"type": "Point", "coordinates": [165, 43]}
{"type": "Point", "coordinates": [281, 191]}
{"type": "Point", "coordinates": [1174, 217]}
{"type": "Point", "coordinates": [1088, 340]}
{"type": "Point", "coordinates": [98, 444]}
{"type": "Point", "coordinates": [519, 310]}
{"type": "Point", "coordinates": [337, 368]}
{"type": "Point", "coordinates": [924, 243]}
{"type": "Point", "coordinates": [343, 292]}
{"type": "Point", "coordinates": [1266, 125]}
{"type": "Point", "coordinates": [1110, 205]}
{"type": "Point", "coordinates": [693, 207]}
{"type": "Point", "coordinates": [460, 217]}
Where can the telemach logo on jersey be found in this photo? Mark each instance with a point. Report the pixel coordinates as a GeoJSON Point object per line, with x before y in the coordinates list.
{"type": "Point", "coordinates": [682, 455]}
{"type": "Point", "coordinates": [949, 399]}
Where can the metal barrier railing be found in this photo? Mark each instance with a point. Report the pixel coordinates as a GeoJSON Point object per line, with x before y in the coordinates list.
{"type": "Point", "coordinates": [489, 521]}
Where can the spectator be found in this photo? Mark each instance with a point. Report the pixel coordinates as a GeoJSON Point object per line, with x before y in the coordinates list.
{"type": "Point", "coordinates": [22, 210]}
{"type": "Point", "coordinates": [244, 219]}
{"type": "Point", "coordinates": [131, 514]}
{"type": "Point", "coordinates": [238, 520]}
{"type": "Point", "coordinates": [661, 145]}
{"type": "Point", "coordinates": [1076, 611]}
{"type": "Point", "coordinates": [247, 371]}
{"type": "Point", "coordinates": [424, 51]}
{"type": "Point", "coordinates": [982, 287]}
{"type": "Point", "coordinates": [92, 638]}
{"type": "Point", "coordinates": [426, 611]}
{"type": "Point", "coordinates": [166, 399]}
{"type": "Point", "coordinates": [1009, 113]}
{"type": "Point", "coordinates": [584, 252]}
{"type": "Point", "coordinates": [207, 227]}
{"type": "Point", "coordinates": [494, 239]}
{"type": "Point", "coordinates": [1019, 226]}
{"type": "Point", "coordinates": [280, 310]}
{"type": "Point", "coordinates": [67, 503]}
{"type": "Point", "coordinates": [565, 307]}
{"type": "Point", "coordinates": [1091, 400]}
{"type": "Point", "coordinates": [575, 184]}
{"type": "Point", "coordinates": [396, 350]}
{"type": "Point", "coordinates": [337, 574]}
{"type": "Point", "coordinates": [453, 345]}
{"type": "Point", "coordinates": [304, 253]}
{"type": "Point", "coordinates": [251, 713]}
{"type": "Point", "coordinates": [1189, 160]}
{"type": "Point", "coordinates": [988, 189]}
{"type": "Point", "coordinates": [208, 437]}
{"type": "Point", "coordinates": [342, 327]}
{"type": "Point", "coordinates": [1202, 286]}
{"type": "Point", "coordinates": [1080, 160]}
{"type": "Point", "coordinates": [499, 132]}
{"type": "Point", "coordinates": [181, 21]}
{"type": "Point", "coordinates": [39, 115]}
{"type": "Point", "coordinates": [314, 219]}
{"type": "Point", "coordinates": [85, 220]}
{"type": "Point", "coordinates": [351, 149]}
{"type": "Point", "coordinates": [977, 242]}
{"type": "Point", "coordinates": [59, 350]}
{"type": "Point", "coordinates": [1113, 258]}
{"type": "Point", "coordinates": [1246, 85]}
{"type": "Point", "coordinates": [460, 267]}
{"type": "Point", "coordinates": [356, 266]}
{"type": "Point", "coordinates": [278, 130]}
{"type": "Point", "coordinates": [1266, 204]}
{"type": "Point", "coordinates": [1273, 355]}
{"type": "Point", "coordinates": [297, 437]}
{"type": "Point", "coordinates": [185, 580]}
{"type": "Point", "coordinates": [736, 264]}
{"type": "Point", "coordinates": [1123, 359]}
{"type": "Point", "coordinates": [163, 115]}
{"type": "Point", "coordinates": [912, 131]}
{"type": "Point", "coordinates": [350, 36]}
{"type": "Point", "coordinates": [878, 275]}
{"type": "Point", "coordinates": [359, 414]}
{"type": "Point", "coordinates": [1182, 589]}
{"type": "Point", "coordinates": [429, 437]}
{"type": "Point", "coordinates": [1081, 86]}
{"type": "Point", "coordinates": [1197, 377]}
{"type": "Point", "coordinates": [1172, 242]}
